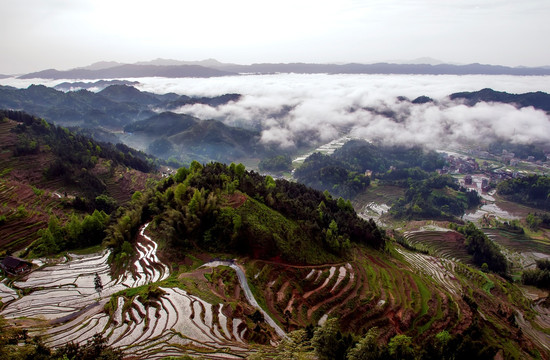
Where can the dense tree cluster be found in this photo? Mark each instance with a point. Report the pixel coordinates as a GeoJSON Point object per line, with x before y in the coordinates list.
{"type": "Point", "coordinates": [343, 173]}
{"type": "Point", "coordinates": [435, 197]}
{"type": "Point", "coordinates": [277, 163]}
{"type": "Point", "coordinates": [328, 342]}
{"type": "Point", "coordinates": [539, 277]}
{"type": "Point", "coordinates": [322, 172]}
{"type": "Point", "coordinates": [226, 208]}
{"type": "Point", "coordinates": [534, 221]}
{"type": "Point", "coordinates": [361, 155]}
{"type": "Point", "coordinates": [75, 234]}
{"type": "Point", "coordinates": [533, 190]}
{"type": "Point", "coordinates": [482, 249]}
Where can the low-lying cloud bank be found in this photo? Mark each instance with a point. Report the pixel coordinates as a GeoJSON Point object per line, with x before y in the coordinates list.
{"type": "Point", "coordinates": [293, 109]}
{"type": "Point", "coordinates": [296, 109]}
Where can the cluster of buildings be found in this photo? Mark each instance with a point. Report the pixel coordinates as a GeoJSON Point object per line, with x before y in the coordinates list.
{"type": "Point", "coordinates": [460, 165]}
{"type": "Point", "coordinates": [484, 175]}
{"type": "Point", "coordinates": [12, 265]}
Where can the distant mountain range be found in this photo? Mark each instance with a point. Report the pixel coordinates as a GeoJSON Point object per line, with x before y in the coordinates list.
{"type": "Point", "coordinates": [130, 71]}
{"type": "Point", "coordinates": [213, 68]}
{"type": "Point", "coordinates": [113, 107]}
{"type": "Point", "coordinates": [150, 124]}
{"type": "Point", "coordinates": [104, 114]}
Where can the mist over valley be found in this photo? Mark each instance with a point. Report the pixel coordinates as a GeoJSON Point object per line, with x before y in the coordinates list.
{"type": "Point", "coordinates": [289, 112]}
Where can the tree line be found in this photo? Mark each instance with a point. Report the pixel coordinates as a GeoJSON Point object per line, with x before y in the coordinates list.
{"type": "Point", "coordinates": [532, 190]}
{"type": "Point", "coordinates": [540, 276]}
{"type": "Point", "coordinates": [75, 234]}
{"type": "Point", "coordinates": [328, 342]}
{"type": "Point", "coordinates": [483, 250]}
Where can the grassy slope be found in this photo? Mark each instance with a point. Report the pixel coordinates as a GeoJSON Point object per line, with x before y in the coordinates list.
{"type": "Point", "coordinates": [28, 199]}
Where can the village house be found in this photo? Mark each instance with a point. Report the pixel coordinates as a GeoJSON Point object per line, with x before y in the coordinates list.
{"type": "Point", "coordinates": [15, 266]}
{"type": "Point", "coordinates": [485, 185]}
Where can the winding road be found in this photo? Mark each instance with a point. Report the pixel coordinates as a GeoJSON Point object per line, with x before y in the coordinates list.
{"type": "Point", "coordinates": [248, 293]}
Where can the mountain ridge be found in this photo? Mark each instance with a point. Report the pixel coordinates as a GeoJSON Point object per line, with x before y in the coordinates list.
{"type": "Point", "coordinates": [129, 70]}
{"type": "Point", "coordinates": [213, 68]}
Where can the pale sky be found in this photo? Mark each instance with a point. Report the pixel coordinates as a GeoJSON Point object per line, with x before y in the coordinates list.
{"type": "Point", "coordinates": [63, 34]}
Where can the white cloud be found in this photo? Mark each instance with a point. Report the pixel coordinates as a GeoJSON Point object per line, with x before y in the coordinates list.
{"type": "Point", "coordinates": [293, 109]}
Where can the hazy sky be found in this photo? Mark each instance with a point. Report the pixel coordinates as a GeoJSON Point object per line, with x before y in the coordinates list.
{"type": "Point", "coordinates": [62, 34]}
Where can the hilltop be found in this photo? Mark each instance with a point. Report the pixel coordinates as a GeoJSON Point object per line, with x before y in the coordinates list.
{"type": "Point", "coordinates": [126, 71]}
{"type": "Point", "coordinates": [190, 138]}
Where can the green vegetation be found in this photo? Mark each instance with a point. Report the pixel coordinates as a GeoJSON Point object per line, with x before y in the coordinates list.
{"type": "Point", "coordinates": [278, 163]}
{"type": "Point", "coordinates": [75, 156]}
{"type": "Point", "coordinates": [75, 234]}
{"type": "Point", "coordinates": [482, 249]}
{"type": "Point", "coordinates": [532, 190]}
{"type": "Point", "coordinates": [428, 195]}
{"type": "Point", "coordinates": [539, 277]}
{"type": "Point", "coordinates": [222, 208]}
{"type": "Point", "coordinates": [361, 155]}
{"type": "Point", "coordinates": [328, 342]}
{"type": "Point", "coordinates": [434, 197]}
{"type": "Point", "coordinates": [323, 172]}
{"type": "Point", "coordinates": [343, 173]}
{"type": "Point", "coordinates": [538, 220]}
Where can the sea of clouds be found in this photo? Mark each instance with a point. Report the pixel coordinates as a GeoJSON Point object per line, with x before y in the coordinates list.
{"type": "Point", "coordinates": [296, 109]}
{"type": "Point", "coordinates": [299, 109]}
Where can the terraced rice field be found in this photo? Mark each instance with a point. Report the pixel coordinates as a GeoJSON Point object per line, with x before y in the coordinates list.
{"type": "Point", "coordinates": [443, 243]}
{"type": "Point", "coordinates": [145, 320]}
{"type": "Point", "coordinates": [367, 292]}
{"type": "Point", "coordinates": [440, 269]}
{"type": "Point", "coordinates": [208, 312]}
{"type": "Point", "coordinates": [26, 212]}
{"type": "Point", "coordinates": [517, 242]}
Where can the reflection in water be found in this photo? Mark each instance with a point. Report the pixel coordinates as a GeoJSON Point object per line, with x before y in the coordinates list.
{"type": "Point", "coordinates": [492, 209]}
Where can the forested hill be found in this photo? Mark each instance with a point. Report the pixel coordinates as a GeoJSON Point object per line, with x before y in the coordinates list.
{"type": "Point", "coordinates": [427, 195]}
{"type": "Point", "coordinates": [189, 138]}
{"type": "Point", "coordinates": [342, 173]}
{"type": "Point", "coordinates": [532, 190]}
{"type": "Point", "coordinates": [164, 134]}
{"type": "Point", "coordinates": [538, 100]}
{"type": "Point", "coordinates": [46, 170]}
{"type": "Point", "coordinates": [130, 70]}
{"type": "Point", "coordinates": [223, 208]}
{"type": "Point", "coordinates": [114, 107]}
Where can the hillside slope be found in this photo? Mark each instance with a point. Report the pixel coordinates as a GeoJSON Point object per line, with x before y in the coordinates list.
{"type": "Point", "coordinates": [47, 170]}
{"type": "Point", "coordinates": [308, 260]}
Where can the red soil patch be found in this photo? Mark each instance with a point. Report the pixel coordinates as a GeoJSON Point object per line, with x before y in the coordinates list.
{"type": "Point", "coordinates": [235, 200]}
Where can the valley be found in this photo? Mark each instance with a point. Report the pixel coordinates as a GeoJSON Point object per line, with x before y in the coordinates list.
{"type": "Point", "coordinates": [216, 261]}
